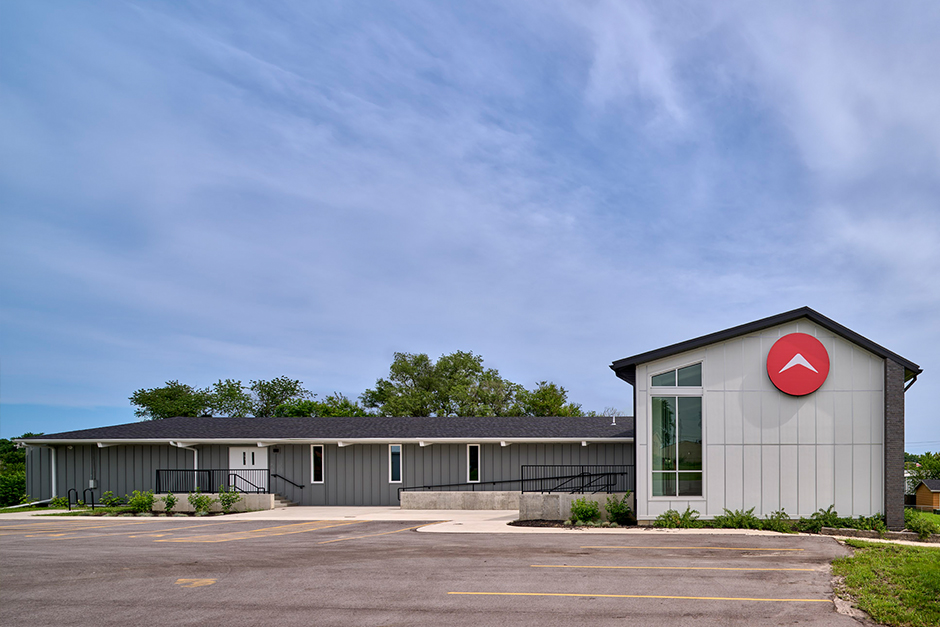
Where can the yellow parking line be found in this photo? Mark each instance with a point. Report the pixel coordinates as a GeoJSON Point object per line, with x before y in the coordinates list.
{"type": "Point", "coordinates": [668, 567]}
{"type": "Point", "coordinates": [703, 548]}
{"type": "Point", "coordinates": [264, 532]}
{"type": "Point", "coordinates": [372, 535]}
{"type": "Point", "coordinates": [637, 596]}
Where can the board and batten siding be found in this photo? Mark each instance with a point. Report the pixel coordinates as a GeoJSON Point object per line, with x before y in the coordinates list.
{"type": "Point", "coordinates": [120, 469]}
{"type": "Point", "coordinates": [768, 450]}
{"type": "Point", "coordinates": [358, 474]}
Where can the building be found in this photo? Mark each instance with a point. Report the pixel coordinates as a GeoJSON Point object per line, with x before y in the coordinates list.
{"type": "Point", "coordinates": [927, 494]}
{"type": "Point", "coordinates": [322, 461]}
{"type": "Point", "coordinates": [792, 412]}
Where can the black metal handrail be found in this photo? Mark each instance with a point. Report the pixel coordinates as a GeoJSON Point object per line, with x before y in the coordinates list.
{"type": "Point", "coordinates": [70, 497]}
{"type": "Point", "coordinates": [574, 478]}
{"type": "Point", "coordinates": [274, 474]}
{"type": "Point", "coordinates": [180, 480]}
{"type": "Point", "coordinates": [85, 493]}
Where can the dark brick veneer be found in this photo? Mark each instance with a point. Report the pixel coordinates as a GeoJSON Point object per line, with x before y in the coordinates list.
{"type": "Point", "coordinates": [894, 445]}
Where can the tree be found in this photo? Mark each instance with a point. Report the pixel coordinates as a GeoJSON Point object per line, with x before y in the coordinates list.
{"type": "Point", "coordinates": [925, 466]}
{"type": "Point", "coordinates": [173, 399]}
{"type": "Point", "coordinates": [267, 395]}
{"type": "Point", "coordinates": [333, 406]}
{"type": "Point", "coordinates": [459, 385]}
{"type": "Point", "coordinates": [547, 399]}
{"type": "Point", "coordinates": [13, 471]}
{"type": "Point", "coordinates": [231, 398]}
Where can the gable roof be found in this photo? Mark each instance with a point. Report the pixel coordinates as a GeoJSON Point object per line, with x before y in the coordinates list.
{"type": "Point", "coordinates": [372, 428]}
{"type": "Point", "coordinates": [932, 484]}
{"type": "Point", "coordinates": [626, 368]}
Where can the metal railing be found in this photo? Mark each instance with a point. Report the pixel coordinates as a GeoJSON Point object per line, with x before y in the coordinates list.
{"type": "Point", "coordinates": [549, 478]}
{"type": "Point", "coordinates": [249, 480]}
{"type": "Point", "coordinates": [578, 479]}
{"type": "Point", "coordinates": [274, 475]}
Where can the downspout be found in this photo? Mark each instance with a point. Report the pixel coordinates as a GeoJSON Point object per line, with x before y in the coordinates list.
{"type": "Point", "coordinates": [195, 460]}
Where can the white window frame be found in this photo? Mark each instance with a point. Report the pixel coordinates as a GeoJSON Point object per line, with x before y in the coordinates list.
{"type": "Point", "coordinates": [479, 463]}
{"type": "Point", "coordinates": [674, 391]}
{"type": "Point", "coordinates": [401, 465]}
{"type": "Point", "coordinates": [312, 463]}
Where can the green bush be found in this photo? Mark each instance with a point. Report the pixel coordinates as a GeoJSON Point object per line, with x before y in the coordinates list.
{"type": "Point", "coordinates": [778, 521]}
{"type": "Point", "coordinates": [672, 519]}
{"type": "Point", "coordinates": [140, 501]}
{"type": "Point", "coordinates": [738, 519]}
{"type": "Point", "coordinates": [619, 511]}
{"type": "Point", "coordinates": [169, 502]}
{"type": "Point", "coordinates": [12, 487]}
{"type": "Point", "coordinates": [920, 524]}
{"type": "Point", "coordinates": [228, 498]}
{"type": "Point", "coordinates": [823, 518]}
{"type": "Point", "coordinates": [584, 510]}
{"type": "Point", "coordinates": [109, 500]}
{"type": "Point", "coordinates": [59, 502]}
{"type": "Point", "coordinates": [200, 502]}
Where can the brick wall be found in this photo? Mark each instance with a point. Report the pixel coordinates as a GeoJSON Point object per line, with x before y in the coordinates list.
{"type": "Point", "coordinates": [894, 445]}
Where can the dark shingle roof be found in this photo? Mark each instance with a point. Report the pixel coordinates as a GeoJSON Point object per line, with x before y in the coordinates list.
{"type": "Point", "coordinates": [626, 368]}
{"type": "Point", "coordinates": [932, 484]}
{"type": "Point", "coordinates": [217, 428]}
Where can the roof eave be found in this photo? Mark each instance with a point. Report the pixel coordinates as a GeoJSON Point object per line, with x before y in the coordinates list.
{"type": "Point", "coordinates": [346, 441]}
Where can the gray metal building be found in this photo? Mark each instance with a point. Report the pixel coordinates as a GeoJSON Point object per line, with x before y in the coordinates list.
{"type": "Point", "coordinates": [320, 461]}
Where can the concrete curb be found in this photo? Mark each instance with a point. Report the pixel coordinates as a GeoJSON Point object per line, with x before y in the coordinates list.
{"type": "Point", "coordinates": [906, 536]}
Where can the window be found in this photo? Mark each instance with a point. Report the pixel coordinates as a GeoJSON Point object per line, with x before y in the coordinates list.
{"type": "Point", "coordinates": [689, 376]}
{"type": "Point", "coordinates": [473, 463]}
{"type": "Point", "coordinates": [316, 463]}
{"type": "Point", "coordinates": [677, 445]}
{"type": "Point", "coordinates": [394, 463]}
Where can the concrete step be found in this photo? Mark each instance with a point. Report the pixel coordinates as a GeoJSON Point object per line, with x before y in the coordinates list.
{"type": "Point", "coordinates": [280, 501]}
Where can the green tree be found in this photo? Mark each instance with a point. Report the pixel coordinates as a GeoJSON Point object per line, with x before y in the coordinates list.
{"type": "Point", "coordinates": [459, 385]}
{"type": "Point", "coordinates": [547, 399]}
{"type": "Point", "coordinates": [173, 399]}
{"type": "Point", "coordinates": [925, 466]}
{"type": "Point", "coordinates": [231, 398]}
{"type": "Point", "coordinates": [267, 395]}
{"type": "Point", "coordinates": [13, 471]}
{"type": "Point", "coordinates": [333, 406]}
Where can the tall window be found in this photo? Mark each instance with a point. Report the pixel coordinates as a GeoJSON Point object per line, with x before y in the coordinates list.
{"type": "Point", "coordinates": [316, 463]}
{"type": "Point", "coordinates": [394, 463]}
{"type": "Point", "coordinates": [677, 435]}
{"type": "Point", "coordinates": [473, 463]}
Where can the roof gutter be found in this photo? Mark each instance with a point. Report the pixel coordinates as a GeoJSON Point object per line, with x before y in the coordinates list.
{"type": "Point", "coordinates": [189, 443]}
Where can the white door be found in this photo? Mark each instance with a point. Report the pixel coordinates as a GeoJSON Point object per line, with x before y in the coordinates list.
{"type": "Point", "coordinates": [248, 468]}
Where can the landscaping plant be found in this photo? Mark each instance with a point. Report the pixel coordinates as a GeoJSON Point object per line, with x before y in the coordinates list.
{"type": "Point", "coordinates": [169, 502]}
{"type": "Point", "coordinates": [619, 511]}
{"type": "Point", "coordinates": [738, 519]}
{"type": "Point", "coordinates": [920, 524]}
{"type": "Point", "coordinates": [584, 510]}
{"type": "Point", "coordinates": [671, 519]}
{"type": "Point", "coordinates": [200, 502]}
{"type": "Point", "coordinates": [109, 500]}
{"type": "Point", "coordinates": [141, 501]}
{"type": "Point", "coordinates": [778, 521]}
{"type": "Point", "coordinates": [228, 498]}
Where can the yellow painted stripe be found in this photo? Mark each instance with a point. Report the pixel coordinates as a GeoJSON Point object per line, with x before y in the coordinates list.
{"type": "Point", "coordinates": [669, 567]}
{"type": "Point", "coordinates": [77, 534]}
{"type": "Point", "coordinates": [703, 548]}
{"type": "Point", "coordinates": [264, 532]}
{"type": "Point", "coordinates": [372, 535]}
{"type": "Point", "coordinates": [637, 596]}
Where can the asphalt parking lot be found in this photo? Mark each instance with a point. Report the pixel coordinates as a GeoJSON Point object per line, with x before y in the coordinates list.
{"type": "Point", "coordinates": [334, 572]}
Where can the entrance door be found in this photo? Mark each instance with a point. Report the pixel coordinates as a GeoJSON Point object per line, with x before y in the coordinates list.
{"type": "Point", "coordinates": [248, 468]}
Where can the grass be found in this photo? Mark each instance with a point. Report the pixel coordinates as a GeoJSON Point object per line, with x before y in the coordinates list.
{"type": "Point", "coordinates": [896, 585]}
{"type": "Point", "coordinates": [930, 516]}
{"type": "Point", "coordinates": [11, 510]}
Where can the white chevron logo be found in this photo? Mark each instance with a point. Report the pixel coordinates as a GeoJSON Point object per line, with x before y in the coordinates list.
{"type": "Point", "coordinates": [798, 360]}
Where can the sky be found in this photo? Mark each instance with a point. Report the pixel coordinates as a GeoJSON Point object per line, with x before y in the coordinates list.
{"type": "Point", "coordinates": [211, 190]}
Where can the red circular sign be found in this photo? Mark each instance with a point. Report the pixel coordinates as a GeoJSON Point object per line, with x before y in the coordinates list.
{"type": "Point", "coordinates": [798, 364]}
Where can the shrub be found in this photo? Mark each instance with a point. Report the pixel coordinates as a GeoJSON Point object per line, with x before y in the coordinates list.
{"type": "Point", "coordinates": [672, 519]}
{"type": "Point", "coordinates": [59, 502]}
{"type": "Point", "coordinates": [738, 519]}
{"type": "Point", "coordinates": [200, 502]}
{"type": "Point", "coordinates": [169, 502]}
{"type": "Point", "coordinates": [823, 518]}
{"type": "Point", "coordinates": [109, 500]}
{"type": "Point", "coordinates": [12, 487]}
{"type": "Point", "coordinates": [584, 510]}
{"type": "Point", "coordinates": [920, 524]}
{"type": "Point", "coordinates": [140, 501]}
{"type": "Point", "coordinates": [618, 510]}
{"type": "Point", "coordinates": [228, 498]}
{"type": "Point", "coordinates": [778, 521]}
